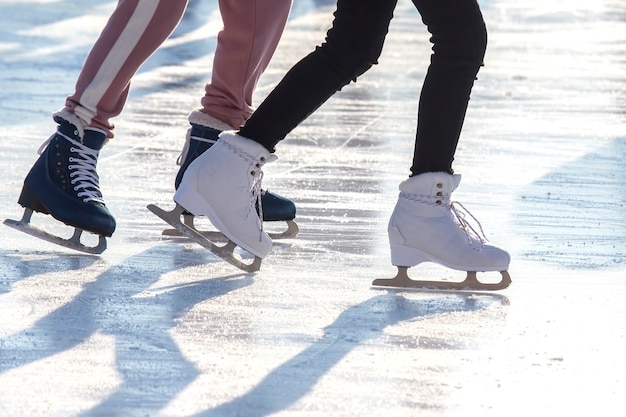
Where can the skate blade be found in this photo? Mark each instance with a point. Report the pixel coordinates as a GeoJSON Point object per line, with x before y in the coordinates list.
{"type": "Point", "coordinates": [73, 242]}
{"type": "Point", "coordinates": [471, 282]}
{"type": "Point", "coordinates": [226, 252]}
{"type": "Point", "coordinates": [215, 236]}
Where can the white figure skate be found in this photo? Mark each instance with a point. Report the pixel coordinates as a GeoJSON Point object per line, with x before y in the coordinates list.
{"type": "Point", "coordinates": [427, 227]}
{"type": "Point", "coordinates": [202, 134]}
{"type": "Point", "coordinates": [224, 184]}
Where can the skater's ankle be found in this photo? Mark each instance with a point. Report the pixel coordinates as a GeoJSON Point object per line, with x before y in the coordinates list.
{"type": "Point", "coordinates": [417, 171]}
{"type": "Point", "coordinates": [244, 142]}
{"type": "Point", "coordinates": [66, 117]}
{"type": "Point", "coordinates": [204, 133]}
{"type": "Point", "coordinates": [201, 118]}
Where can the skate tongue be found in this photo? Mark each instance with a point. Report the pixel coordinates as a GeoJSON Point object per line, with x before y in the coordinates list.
{"type": "Point", "coordinates": [82, 165]}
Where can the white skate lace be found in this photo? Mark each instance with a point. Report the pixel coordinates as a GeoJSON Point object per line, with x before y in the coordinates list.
{"type": "Point", "coordinates": [83, 171]}
{"type": "Point", "coordinates": [256, 198]}
{"type": "Point", "coordinates": [255, 191]}
{"type": "Point", "coordinates": [475, 238]}
{"type": "Point", "coordinates": [183, 154]}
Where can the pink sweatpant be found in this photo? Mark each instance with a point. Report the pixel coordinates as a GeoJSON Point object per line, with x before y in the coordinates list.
{"type": "Point", "coordinates": [252, 29]}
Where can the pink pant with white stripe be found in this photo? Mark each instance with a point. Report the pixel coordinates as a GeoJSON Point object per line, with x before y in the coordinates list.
{"type": "Point", "coordinates": [252, 29]}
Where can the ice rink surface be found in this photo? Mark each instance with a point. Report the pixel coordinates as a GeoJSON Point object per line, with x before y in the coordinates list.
{"type": "Point", "coordinates": [161, 327]}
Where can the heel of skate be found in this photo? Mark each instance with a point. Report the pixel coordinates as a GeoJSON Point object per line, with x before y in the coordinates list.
{"type": "Point", "coordinates": [226, 252]}
{"type": "Point", "coordinates": [74, 242]}
{"type": "Point", "coordinates": [291, 232]}
{"type": "Point", "coordinates": [470, 283]}
{"type": "Point", "coordinates": [405, 255]}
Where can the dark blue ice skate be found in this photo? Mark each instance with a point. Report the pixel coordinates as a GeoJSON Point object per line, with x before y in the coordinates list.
{"type": "Point", "coordinates": [63, 183]}
{"type": "Point", "coordinates": [275, 207]}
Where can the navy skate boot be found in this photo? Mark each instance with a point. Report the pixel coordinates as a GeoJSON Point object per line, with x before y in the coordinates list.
{"type": "Point", "coordinates": [275, 208]}
{"type": "Point", "coordinates": [63, 183]}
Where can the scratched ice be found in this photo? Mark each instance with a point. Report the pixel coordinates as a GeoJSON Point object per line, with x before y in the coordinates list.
{"type": "Point", "coordinates": [160, 327]}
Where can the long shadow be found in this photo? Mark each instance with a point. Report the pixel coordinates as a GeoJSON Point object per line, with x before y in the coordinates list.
{"type": "Point", "coordinates": [576, 216]}
{"type": "Point", "coordinates": [292, 380]}
{"type": "Point", "coordinates": [14, 267]}
{"type": "Point", "coordinates": [148, 360]}
{"type": "Point", "coordinates": [150, 364]}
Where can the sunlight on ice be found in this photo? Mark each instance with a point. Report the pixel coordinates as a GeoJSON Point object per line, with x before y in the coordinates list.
{"type": "Point", "coordinates": [88, 26]}
{"type": "Point", "coordinates": [8, 47]}
{"type": "Point", "coordinates": [307, 335]}
{"type": "Point", "coordinates": [64, 383]}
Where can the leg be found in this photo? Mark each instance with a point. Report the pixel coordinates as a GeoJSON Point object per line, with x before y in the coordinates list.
{"type": "Point", "coordinates": [352, 46]}
{"type": "Point", "coordinates": [252, 29]}
{"type": "Point", "coordinates": [134, 31]}
{"type": "Point", "coordinates": [245, 46]}
{"type": "Point", "coordinates": [459, 41]}
{"type": "Point", "coordinates": [426, 226]}
{"type": "Point", "coordinates": [226, 169]}
{"type": "Point", "coordinates": [64, 182]}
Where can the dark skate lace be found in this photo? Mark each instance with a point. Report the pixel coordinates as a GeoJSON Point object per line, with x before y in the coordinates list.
{"type": "Point", "coordinates": [183, 154]}
{"type": "Point", "coordinates": [82, 169]}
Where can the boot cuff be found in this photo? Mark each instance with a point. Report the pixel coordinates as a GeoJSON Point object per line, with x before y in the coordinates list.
{"type": "Point", "coordinates": [431, 183]}
{"type": "Point", "coordinates": [66, 115]}
{"type": "Point", "coordinates": [198, 117]}
{"type": "Point", "coordinates": [249, 146]}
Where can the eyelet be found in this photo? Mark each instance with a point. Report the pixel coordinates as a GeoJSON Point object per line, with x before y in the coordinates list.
{"type": "Point", "coordinates": [253, 173]}
{"type": "Point", "coordinates": [438, 202]}
{"type": "Point", "coordinates": [439, 185]}
{"type": "Point", "coordinates": [439, 194]}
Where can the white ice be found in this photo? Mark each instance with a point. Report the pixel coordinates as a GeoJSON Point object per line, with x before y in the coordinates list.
{"type": "Point", "coordinates": [160, 327]}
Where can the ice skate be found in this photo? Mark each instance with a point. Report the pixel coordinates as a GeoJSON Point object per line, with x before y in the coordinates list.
{"type": "Point", "coordinates": [224, 184]}
{"type": "Point", "coordinates": [200, 138]}
{"type": "Point", "coordinates": [63, 183]}
{"type": "Point", "coordinates": [427, 227]}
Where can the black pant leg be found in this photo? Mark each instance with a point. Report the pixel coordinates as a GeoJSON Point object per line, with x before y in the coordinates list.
{"type": "Point", "coordinates": [352, 46]}
{"type": "Point", "coordinates": [459, 41]}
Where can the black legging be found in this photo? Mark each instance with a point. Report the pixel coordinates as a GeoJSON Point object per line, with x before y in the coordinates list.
{"type": "Point", "coordinates": [353, 45]}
